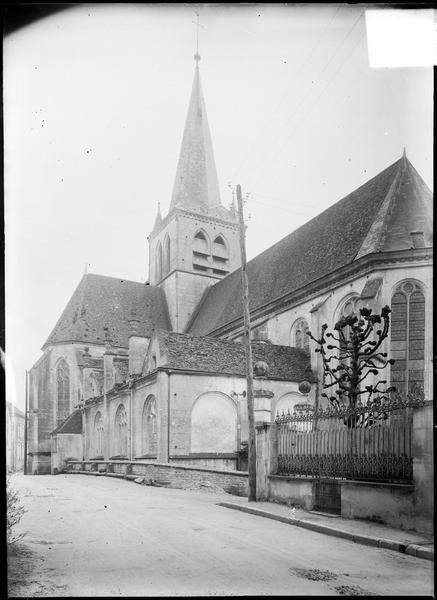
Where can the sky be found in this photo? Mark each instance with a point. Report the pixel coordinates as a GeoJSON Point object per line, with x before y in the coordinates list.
{"type": "Point", "coordinates": [95, 99]}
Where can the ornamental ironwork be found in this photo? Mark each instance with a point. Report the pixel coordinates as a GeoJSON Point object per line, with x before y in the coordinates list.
{"type": "Point", "coordinates": [377, 408]}
{"type": "Point", "coordinates": [370, 442]}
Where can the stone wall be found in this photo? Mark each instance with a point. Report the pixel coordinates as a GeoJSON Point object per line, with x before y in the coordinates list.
{"type": "Point", "coordinates": [406, 506]}
{"type": "Point", "coordinates": [65, 445]}
{"type": "Point", "coordinates": [233, 482]}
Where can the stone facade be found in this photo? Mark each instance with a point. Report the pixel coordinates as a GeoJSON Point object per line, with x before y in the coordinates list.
{"type": "Point", "coordinates": [14, 438]}
{"type": "Point", "coordinates": [157, 370]}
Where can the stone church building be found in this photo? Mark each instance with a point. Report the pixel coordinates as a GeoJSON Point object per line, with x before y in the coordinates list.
{"type": "Point", "coordinates": [156, 370]}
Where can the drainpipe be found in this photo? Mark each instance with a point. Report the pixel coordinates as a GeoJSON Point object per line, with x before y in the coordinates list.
{"type": "Point", "coordinates": [130, 420]}
{"type": "Point", "coordinates": [168, 416]}
{"type": "Point", "coordinates": [25, 424]}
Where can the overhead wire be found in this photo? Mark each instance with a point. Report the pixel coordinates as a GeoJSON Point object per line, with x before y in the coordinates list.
{"type": "Point", "coordinates": [262, 172]}
{"type": "Point", "coordinates": [292, 78]}
{"type": "Point", "coordinates": [311, 90]}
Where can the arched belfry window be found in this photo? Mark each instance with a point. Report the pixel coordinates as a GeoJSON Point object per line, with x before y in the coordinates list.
{"type": "Point", "coordinates": [407, 336]}
{"type": "Point", "coordinates": [201, 243]}
{"type": "Point", "coordinates": [158, 259]}
{"type": "Point", "coordinates": [299, 338]}
{"type": "Point", "coordinates": [219, 249]}
{"type": "Point", "coordinates": [166, 256]}
{"type": "Point", "coordinates": [149, 427]}
{"type": "Point", "coordinates": [121, 431]}
{"type": "Point", "coordinates": [63, 391]}
{"type": "Point", "coordinates": [98, 434]}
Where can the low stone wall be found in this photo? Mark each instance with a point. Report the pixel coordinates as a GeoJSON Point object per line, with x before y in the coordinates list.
{"type": "Point", "coordinates": [208, 461]}
{"type": "Point", "coordinates": [292, 490]}
{"type": "Point", "coordinates": [388, 503]}
{"type": "Point", "coordinates": [176, 476]}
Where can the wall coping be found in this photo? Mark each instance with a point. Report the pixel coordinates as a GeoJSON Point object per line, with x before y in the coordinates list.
{"type": "Point", "coordinates": [383, 484]}
{"type": "Point", "coordinates": [200, 455]}
{"type": "Point", "coordinates": [156, 464]}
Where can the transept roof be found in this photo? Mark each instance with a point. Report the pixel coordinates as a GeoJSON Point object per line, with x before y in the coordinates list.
{"type": "Point", "coordinates": [378, 216]}
{"type": "Point", "coordinates": [100, 302]}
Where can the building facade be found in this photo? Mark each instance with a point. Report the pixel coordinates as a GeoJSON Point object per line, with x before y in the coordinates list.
{"type": "Point", "coordinates": [14, 438]}
{"type": "Point", "coordinates": [155, 370]}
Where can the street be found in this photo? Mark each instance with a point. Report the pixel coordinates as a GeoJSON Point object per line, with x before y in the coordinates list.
{"type": "Point", "coordinates": [101, 536]}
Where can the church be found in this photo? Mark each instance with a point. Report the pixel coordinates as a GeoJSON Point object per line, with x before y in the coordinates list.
{"type": "Point", "coordinates": [155, 370]}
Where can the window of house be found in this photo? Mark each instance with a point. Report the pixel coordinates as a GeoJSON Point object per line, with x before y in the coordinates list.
{"type": "Point", "coordinates": [166, 257]}
{"type": "Point", "coordinates": [299, 338]}
{"type": "Point", "coordinates": [98, 434]}
{"type": "Point", "coordinates": [63, 391]}
{"type": "Point", "coordinates": [407, 336]}
{"type": "Point", "coordinates": [158, 258]}
{"type": "Point", "coordinates": [121, 431]}
{"type": "Point", "coordinates": [149, 429]}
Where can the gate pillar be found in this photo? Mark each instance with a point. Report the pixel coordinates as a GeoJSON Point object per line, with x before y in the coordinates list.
{"type": "Point", "coordinates": [266, 458]}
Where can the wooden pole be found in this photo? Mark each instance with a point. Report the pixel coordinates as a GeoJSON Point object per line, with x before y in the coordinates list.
{"type": "Point", "coordinates": [249, 369]}
{"type": "Point", "coordinates": [26, 412]}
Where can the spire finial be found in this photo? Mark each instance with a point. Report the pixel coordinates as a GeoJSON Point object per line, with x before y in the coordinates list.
{"type": "Point", "coordinates": [197, 55]}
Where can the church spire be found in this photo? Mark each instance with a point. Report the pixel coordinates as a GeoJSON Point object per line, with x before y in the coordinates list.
{"type": "Point", "coordinates": [196, 184]}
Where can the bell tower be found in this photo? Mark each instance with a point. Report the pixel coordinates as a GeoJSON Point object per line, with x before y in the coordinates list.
{"type": "Point", "coordinates": [196, 243]}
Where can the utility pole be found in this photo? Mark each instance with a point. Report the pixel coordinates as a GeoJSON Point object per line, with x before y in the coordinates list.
{"type": "Point", "coordinates": [249, 368]}
{"type": "Point", "coordinates": [26, 413]}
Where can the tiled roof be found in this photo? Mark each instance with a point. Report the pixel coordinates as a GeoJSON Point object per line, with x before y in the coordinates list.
{"type": "Point", "coordinates": [183, 351]}
{"type": "Point", "coordinates": [100, 302]}
{"type": "Point", "coordinates": [327, 242]}
{"type": "Point", "coordinates": [72, 424]}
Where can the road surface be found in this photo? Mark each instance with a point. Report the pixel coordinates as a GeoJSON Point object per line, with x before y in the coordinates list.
{"type": "Point", "coordinates": [101, 536]}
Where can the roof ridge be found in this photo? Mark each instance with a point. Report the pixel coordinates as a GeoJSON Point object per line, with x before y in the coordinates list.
{"type": "Point", "coordinates": [323, 245]}
{"type": "Point", "coordinates": [304, 225]}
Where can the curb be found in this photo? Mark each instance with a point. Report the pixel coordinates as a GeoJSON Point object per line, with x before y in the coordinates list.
{"type": "Point", "coordinates": [412, 549]}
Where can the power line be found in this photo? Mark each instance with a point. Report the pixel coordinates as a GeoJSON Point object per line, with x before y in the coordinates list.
{"type": "Point", "coordinates": [311, 90]}
{"type": "Point", "coordinates": [307, 113]}
{"type": "Point", "coordinates": [291, 79]}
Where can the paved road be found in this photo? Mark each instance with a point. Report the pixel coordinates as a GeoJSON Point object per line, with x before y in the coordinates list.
{"type": "Point", "coordinates": [103, 536]}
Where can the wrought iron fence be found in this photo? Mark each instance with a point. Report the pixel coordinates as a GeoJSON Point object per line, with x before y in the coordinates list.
{"type": "Point", "coordinates": [371, 442]}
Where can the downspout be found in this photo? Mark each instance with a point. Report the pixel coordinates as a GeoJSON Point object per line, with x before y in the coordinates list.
{"type": "Point", "coordinates": [26, 412]}
{"type": "Point", "coordinates": [130, 421]}
{"type": "Point", "coordinates": [168, 416]}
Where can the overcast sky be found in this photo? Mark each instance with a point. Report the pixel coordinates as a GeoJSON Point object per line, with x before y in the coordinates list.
{"type": "Point", "coordinates": [95, 99]}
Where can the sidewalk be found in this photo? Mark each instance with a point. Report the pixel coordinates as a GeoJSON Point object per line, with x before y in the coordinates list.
{"type": "Point", "coordinates": [361, 532]}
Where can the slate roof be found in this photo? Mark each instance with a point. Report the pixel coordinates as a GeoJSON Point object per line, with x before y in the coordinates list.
{"type": "Point", "coordinates": [196, 184]}
{"type": "Point", "coordinates": [100, 302]}
{"type": "Point", "coordinates": [72, 424]}
{"type": "Point", "coordinates": [213, 355]}
{"type": "Point", "coordinates": [327, 242]}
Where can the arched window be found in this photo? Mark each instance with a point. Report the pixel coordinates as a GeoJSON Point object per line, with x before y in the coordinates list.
{"type": "Point", "coordinates": [219, 248]}
{"type": "Point", "coordinates": [166, 257]}
{"type": "Point", "coordinates": [158, 258]}
{"type": "Point", "coordinates": [98, 434]}
{"type": "Point", "coordinates": [121, 431]}
{"type": "Point", "coordinates": [407, 337]}
{"type": "Point", "coordinates": [350, 307]}
{"type": "Point", "coordinates": [201, 243]}
{"type": "Point", "coordinates": [299, 338]}
{"type": "Point", "coordinates": [213, 424]}
{"type": "Point", "coordinates": [63, 391]}
{"type": "Point", "coordinates": [149, 428]}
